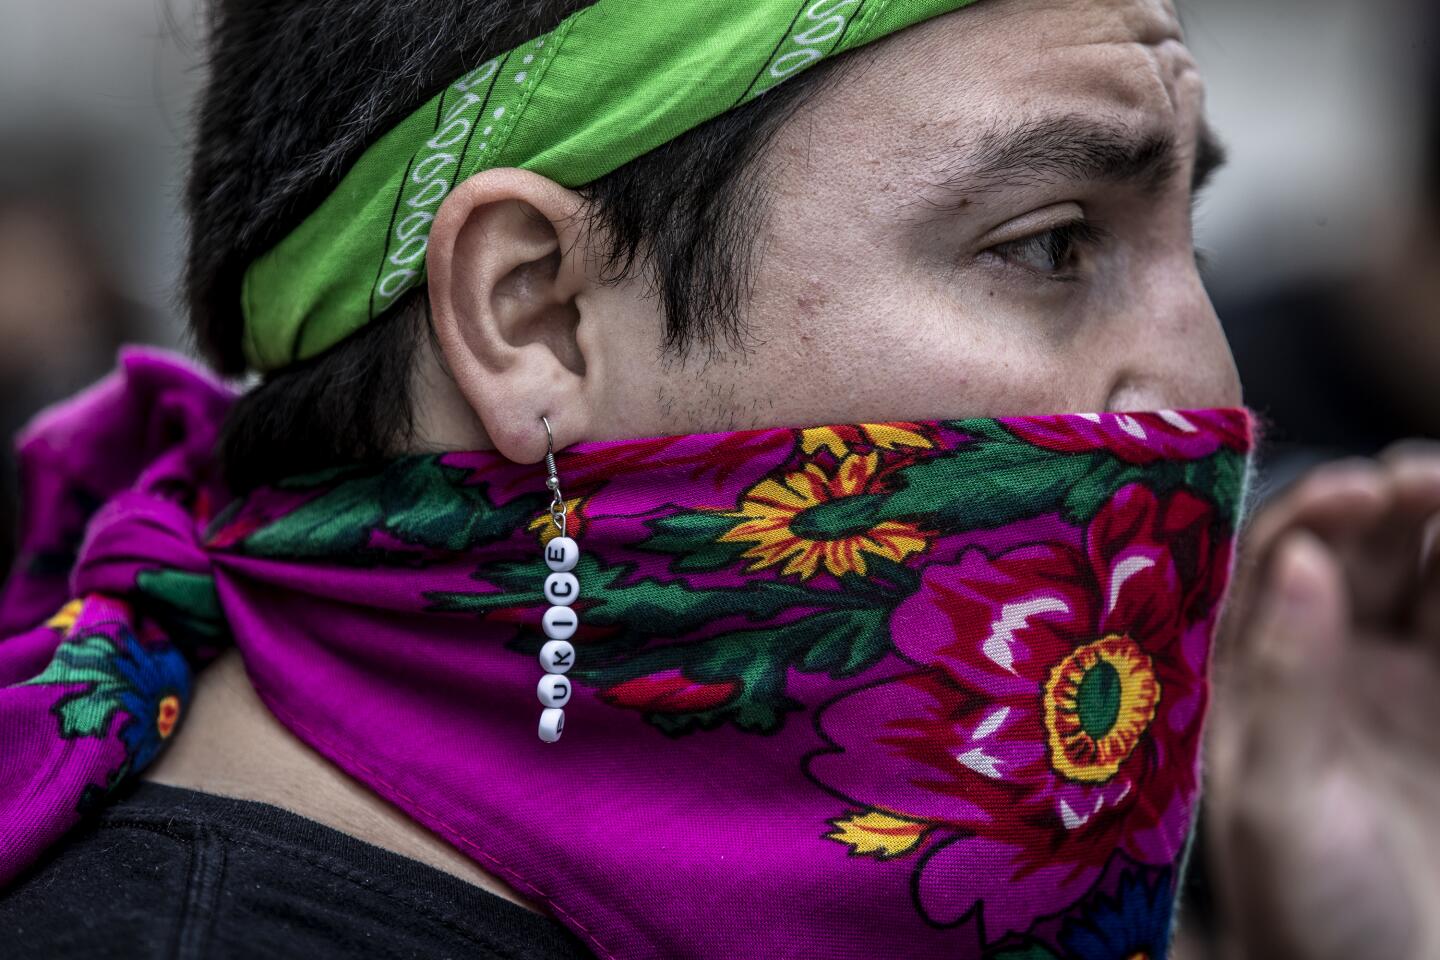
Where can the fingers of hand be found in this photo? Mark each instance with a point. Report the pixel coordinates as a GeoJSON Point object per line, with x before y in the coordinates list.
{"type": "Point", "coordinates": [1403, 548]}
{"type": "Point", "coordinates": [1427, 594]}
{"type": "Point", "coordinates": [1270, 736]}
{"type": "Point", "coordinates": [1375, 516]}
{"type": "Point", "coordinates": [1303, 620]}
{"type": "Point", "coordinates": [1330, 501]}
{"type": "Point", "coordinates": [1275, 699]}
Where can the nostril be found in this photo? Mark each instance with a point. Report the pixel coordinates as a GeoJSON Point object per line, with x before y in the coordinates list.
{"type": "Point", "coordinates": [1131, 394]}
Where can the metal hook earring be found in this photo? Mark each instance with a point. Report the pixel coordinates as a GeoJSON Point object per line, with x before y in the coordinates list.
{"type": "Point", "coordinates": [557, 656]}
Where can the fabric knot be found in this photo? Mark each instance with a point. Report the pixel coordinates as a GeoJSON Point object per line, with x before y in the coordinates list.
{"type": "Point", "coordinates": [114, 481]}
{"type": "Point", "coordinates": [135, 532]}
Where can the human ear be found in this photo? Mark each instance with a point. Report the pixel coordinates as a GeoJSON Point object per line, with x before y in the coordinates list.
{"type": "Point", "coordinates": [506, 269]}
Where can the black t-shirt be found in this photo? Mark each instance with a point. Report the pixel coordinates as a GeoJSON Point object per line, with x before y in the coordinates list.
{"type": "Point", "coordinates": [175, 873]}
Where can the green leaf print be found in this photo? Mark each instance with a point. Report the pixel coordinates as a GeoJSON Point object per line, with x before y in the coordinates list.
{"type": "Point", "coordinates": [184, 602]}
{"type": "Point", "coordinates": [1003, 479]}
{"type": "Point", "coordinates": [1221, 479]}
{"type": "Point", "coordinates": [693, 539]}
{"type": "Point", "coordinates": [1097, 486]}
{"type": "Point", "coordinates": [989, 484]}
{"type": "Point", "coordinates": [335, 525]}
{"type": "Point", "coordinates": [430, 505]}
{"type": "Point", "coordinates": [610, 597]}
{"type": "Point", "coordinates": [418, 501]}
{"type": "Point", "coordinates": [843, 644]}
{"type": "Point", "coordinates": [90, 660]}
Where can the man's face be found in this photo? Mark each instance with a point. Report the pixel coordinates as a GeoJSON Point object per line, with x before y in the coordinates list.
{"type": "Point", "coordinates": [990, 214]}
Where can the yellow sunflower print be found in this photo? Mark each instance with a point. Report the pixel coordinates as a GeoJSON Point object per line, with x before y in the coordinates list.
{"type": "Point", "coordinates": [813, 520]}
{"type": "Point", "coordinates": [546, 527]}
{"type": "Point", "coordinates": [886, 436]}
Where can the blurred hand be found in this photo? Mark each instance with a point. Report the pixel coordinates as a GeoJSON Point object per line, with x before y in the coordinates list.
{"type": "Point", "coordinates": [1323, 787]}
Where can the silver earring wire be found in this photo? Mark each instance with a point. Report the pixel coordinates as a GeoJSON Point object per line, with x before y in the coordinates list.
{"type": "Point", "coordinates": [557, 500]}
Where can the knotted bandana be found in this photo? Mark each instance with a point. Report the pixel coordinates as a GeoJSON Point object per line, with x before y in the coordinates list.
{"type": "Point", "coordinates": [927, 689]}
{"type": "Point", "coordinates": [613, 81]}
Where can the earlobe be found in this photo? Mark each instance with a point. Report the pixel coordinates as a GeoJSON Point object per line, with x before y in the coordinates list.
{"type": "Point", "coordinates": [506, 271]}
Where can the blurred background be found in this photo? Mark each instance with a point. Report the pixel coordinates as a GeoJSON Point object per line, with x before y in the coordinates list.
{"type": "Point", "coordinates": [1322, 237]}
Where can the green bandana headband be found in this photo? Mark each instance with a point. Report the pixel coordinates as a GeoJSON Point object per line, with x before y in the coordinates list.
{"type": "Point", "coordinates": [610, 83]}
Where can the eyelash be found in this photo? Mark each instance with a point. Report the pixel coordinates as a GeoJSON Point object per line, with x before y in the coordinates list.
{"type": "Point", "coordinates": [1060, 244]}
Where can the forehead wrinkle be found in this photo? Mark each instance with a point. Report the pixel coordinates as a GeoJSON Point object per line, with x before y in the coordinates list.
{"type": "Point", "coordinates": [986, 67]}
{"type": "Point", "coordinates": [1048, 150]}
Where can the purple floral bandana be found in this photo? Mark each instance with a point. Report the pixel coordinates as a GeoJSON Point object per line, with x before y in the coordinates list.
{"type": "Point", "coordinates": [908, 689]}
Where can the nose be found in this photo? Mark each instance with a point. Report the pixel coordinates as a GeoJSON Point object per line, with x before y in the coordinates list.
{"type": "Point", "coordinates": [1175, 355]}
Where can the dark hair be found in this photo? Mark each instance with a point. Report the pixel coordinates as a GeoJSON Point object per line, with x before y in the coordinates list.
{"type": "Point", "coordinates": [297, 90]}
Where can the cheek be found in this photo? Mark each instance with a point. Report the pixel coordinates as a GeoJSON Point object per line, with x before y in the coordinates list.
{"type": "Point", "coordinates": [876, 344]}
{"type": "Point", "coordinates": [844, 326]}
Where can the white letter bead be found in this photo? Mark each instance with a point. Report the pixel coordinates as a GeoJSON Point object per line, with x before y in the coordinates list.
{"type": "Point", "coordinates": [552, 723]}
{"type": "Point", "coordinates": [553, 690]}
{"type": "Point", "coordinates": [562, 589]}
{"type": "Point", "coordinates": [561, 554]}
{"type": "Point", "coordinates": [557, 656]}
{"type": "Point", "coordinates": [560, 623]}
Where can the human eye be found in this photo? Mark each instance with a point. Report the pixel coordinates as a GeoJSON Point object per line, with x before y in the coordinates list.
{"type": "Point", "coordinates": [1056, 253]}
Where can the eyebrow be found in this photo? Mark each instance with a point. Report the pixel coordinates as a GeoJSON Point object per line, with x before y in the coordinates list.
{"type": "Point", "coordinates": [1072, 148]}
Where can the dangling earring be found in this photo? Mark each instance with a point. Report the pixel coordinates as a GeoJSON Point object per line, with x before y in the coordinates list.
{"type": "Point", "coordinates": [561, 590]}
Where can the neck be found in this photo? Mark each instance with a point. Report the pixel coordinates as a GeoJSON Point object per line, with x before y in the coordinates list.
{"type": "Point", "coordinates": [230, 744]}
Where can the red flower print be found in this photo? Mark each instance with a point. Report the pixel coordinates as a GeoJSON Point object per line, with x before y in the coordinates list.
{"type": "Point", "coordinates": [1053, 715]}
{"type": "Point", "coordinates": [1138, 438]}
{"type": "Point", "coordinates": [669, 692]}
